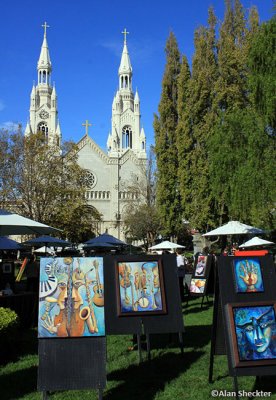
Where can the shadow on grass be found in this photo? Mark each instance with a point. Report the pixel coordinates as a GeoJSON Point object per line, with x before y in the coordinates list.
{"type": "Point", "coordinates": [265, 383]}
{"type": "Point", "coordinates": [16, 384]}
{"type": "Point", "coordinates": [25, 342]}
{"type": "Point", "coordinates": [145, 380]}
{"type": "Point", "coordinates": [197, 336]}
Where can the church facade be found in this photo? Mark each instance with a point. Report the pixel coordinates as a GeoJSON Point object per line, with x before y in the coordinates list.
{"type": "Point", "coordinates": [110, 174]}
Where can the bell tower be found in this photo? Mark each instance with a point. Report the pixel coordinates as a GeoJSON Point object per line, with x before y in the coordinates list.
{"type": "Point", "coordinates": [126, 132]}
{"type": "Point", "coordinates": [43, 108]}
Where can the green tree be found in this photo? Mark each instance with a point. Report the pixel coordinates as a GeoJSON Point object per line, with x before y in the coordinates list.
{"type": "Point", "coordinates": [39, 183]}
{"type": "Point", "coordinates": [262, 72]}
{"type": "Point", "coordinates": [198, 120]}
{"type": "Point", "coordinates": [167, 194]}
{"type": "Point", "coordinates": [141, 218]}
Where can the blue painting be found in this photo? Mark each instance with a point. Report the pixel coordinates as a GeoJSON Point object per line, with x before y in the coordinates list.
{"type": "Point", "coordinates": [141, 288]}
{"type": "Point", "coordinates": [71, 297]}
{"type": "Point", "coordinates": [255, 329]}
{"type": "Point", "coordinates": [248, 276]}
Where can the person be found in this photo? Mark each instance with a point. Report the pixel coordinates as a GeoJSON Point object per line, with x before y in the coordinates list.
{"type": "Point", "coordinates": [181, 272]}
{"type": "Point", "coordinates": [32, 273]}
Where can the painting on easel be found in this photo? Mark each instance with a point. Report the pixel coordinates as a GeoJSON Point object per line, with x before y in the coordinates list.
{"type": "Point", "coordinates": [140, 288]}
{"type": "Point", "coordinates": [71, 297]}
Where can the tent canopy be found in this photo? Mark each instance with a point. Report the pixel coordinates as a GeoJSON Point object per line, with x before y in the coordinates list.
{"type": "Point", "coordinates": [234, 228]}
{"type": "Point", "coordinates": [256, 241]}
{"type": "Point", "coordinates": [14, 224]}
{"type": "Point", "coordinates": [9, 244]}
{"type": "Point", "coordinates": [99, 245]}
{"type": "Point", "coordinates": [48, 241]}
{"type": "Point", "coordinates": [105, 238]}
{"type": "Point", "coordinates": [166, 245]}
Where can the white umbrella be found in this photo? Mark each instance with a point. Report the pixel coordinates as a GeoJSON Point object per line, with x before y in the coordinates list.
{"type": "Point", "coordinates": [234, 228]}
{"type": "Point", "coordinates": [166, 245]}
{"type": "Point", "coordinates": [14, 224]}
{"type": "Point", "coordinates": [256, 241]}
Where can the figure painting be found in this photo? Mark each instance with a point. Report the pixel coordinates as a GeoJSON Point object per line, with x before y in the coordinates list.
{"type": "Point", "coordinates": [140, 288]}
{"type": "Point", "coordinates": [248, 275]}
{"type": "Point", "coordinates": [197, 285]}
{"type": "Point", "coordinates": [200, 267]}
{"type": "Point", "coordinates": [71, 297]}
{"type": "Point", "coordinates": [255, 333]}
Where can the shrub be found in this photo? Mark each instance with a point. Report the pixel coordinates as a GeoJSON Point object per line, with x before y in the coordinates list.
{"type": "Point", "coordinates": [8, 320]}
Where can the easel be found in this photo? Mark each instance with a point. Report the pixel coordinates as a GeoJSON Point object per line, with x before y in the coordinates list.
{"type": "Point", "coordinates": [220, 344]}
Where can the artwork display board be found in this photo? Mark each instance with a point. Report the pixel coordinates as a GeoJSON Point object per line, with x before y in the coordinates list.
{"type": "Point", "coordinates": [71, 297]}
{"type": "Point", "coordinates": [246, 293]}
{"type": "Point", "coordinates": [72, 364]}
{"type": "Point", "coordinates": [201, 282]}
{"type": "Point", "coordinates": [143, 294]}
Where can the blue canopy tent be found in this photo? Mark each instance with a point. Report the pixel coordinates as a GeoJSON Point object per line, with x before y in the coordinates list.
{"type": "Point", "coordinates": [47, 241]}
{"type": "Point", "coordinates": [105, 238]}
{"type": "Point", "coordinates": [9, 244]}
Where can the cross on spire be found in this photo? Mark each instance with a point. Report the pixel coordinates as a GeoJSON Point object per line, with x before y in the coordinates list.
{"type": "Point", "coordinates": [86, 124]}
{"type": "Point", "coordinates": [45, 26]}
{"type": "Point", "coordinates": [125, 33]}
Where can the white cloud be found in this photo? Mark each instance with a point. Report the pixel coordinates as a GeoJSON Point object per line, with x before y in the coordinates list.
{"type": "Point", "coordinates": [114, 47]}
{"type": "Point", "coordinates": [9, 125]}
{"type": "Point", "coordinates": [2, 105]}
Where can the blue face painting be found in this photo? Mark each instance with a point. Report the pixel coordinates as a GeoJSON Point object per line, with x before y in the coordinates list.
{"type": "Point", "coordinates": [256, 333]}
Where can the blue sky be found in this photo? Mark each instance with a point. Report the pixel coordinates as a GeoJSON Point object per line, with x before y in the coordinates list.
{"type": "Point", "coordinates": [85, 44]}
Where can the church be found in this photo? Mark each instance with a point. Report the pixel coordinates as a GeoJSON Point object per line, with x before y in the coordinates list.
{"type": "Point", "coordinates": [110, 173]}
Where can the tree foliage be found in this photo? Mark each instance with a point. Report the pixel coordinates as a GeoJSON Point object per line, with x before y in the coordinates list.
{"type": "Point", "coordinates": [167, 194]}
{"type": "Point", "coordinates": [39, 183]}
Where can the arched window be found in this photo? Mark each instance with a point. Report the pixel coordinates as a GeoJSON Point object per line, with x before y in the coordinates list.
{"type": "Point", "coordinates": [42, 127]}
{"type": "Point", "coordinates": [143, 145]}
{"type": "Point", "coordinates": [127, 137]}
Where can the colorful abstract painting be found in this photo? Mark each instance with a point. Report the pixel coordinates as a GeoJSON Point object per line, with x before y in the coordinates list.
{"type": "Point", "coordinates": [200, 267]}
{"type": "Point", "coordinates": [197, 285]}
{"type": "Point", "coordinates": [71, 297]}
{"type": "Point", "coordinates": [140, 288]}
{"type": "Point", "coordinates": [255, 332]}
{"type": "Point", "coordinates": [248, 275]}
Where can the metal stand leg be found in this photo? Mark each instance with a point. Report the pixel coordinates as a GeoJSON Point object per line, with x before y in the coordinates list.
{"type": "Point", "coordinates": [139, 347]}
{"type": "Point", "coordinates": [148, 346]}
{"type": "Point", "coordinates": [235, 384]}
{"type": "Point", "coordinates": [180, 336]}
{"type": "Point", "coordinates": [44, 395]}
{"type": "Point", "coordinates": [100, 394]}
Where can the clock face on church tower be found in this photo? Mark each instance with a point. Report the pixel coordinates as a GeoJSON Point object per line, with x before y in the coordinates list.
{"type": "Point", "coordinates": [44, 114]}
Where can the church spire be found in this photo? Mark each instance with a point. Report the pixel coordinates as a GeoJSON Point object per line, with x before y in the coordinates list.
{"type": "Point", "coordinates": [44, 66]}
{"type": "Point", "coordinates": [125, 69]}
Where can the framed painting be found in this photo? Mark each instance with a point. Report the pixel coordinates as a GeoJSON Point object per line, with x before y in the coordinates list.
{"type": "Point", "coordinates": [71, 297]}
{"type": "Point", "coordinates": [248, 275]}
{"type": "Point", "coordinates": [253, 333]}
{"type": "Point", "coordinates": [198, 285]}
{"type": "Point", "coordinates": [140, 288]}
{"type": "Point", "coordinates": [200, 267]}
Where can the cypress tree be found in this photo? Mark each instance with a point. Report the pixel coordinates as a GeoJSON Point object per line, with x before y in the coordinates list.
{"type": "Point", "coordinates": [197, 198]}
{"type": "Point", "coordinates": [184, 137]}
{"type": "Point", "coordinates": [167, 190]}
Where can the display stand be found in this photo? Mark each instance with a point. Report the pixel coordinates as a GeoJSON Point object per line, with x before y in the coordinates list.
{"type": "Point", "coordinates": [228, 297]}
{"type": "Point", "coordinates": [71, 364]}
{"type": "Point", "coordinates": [137, 324]}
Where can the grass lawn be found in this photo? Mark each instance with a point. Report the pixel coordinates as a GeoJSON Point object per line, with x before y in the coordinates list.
{"type": "Point", "coordinates": [168, 376]}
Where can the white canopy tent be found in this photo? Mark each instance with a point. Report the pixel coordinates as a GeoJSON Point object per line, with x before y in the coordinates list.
{"type": "Point", "coordinates": [234, 228]}
{"type": "Point", "coordinates": [256, 242]}
{"type": "Point", "coordinates": [14, 224]}
{"type": "Point", "coordinates": [166, 245]}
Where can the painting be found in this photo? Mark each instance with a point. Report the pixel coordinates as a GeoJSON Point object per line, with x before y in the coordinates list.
{"type": "Point", "coordinates": [253, 331]}
{"type": "Point", "coordinates": [71, 297]}
{"type": "Point", "coordinates": [198, 285]}
{"type": "Point", "coordinates": [140, 288]}
{"type": "Point", "coordinates": [200, 267]}
{"type": "Point", "coordinates": [248, 275]}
